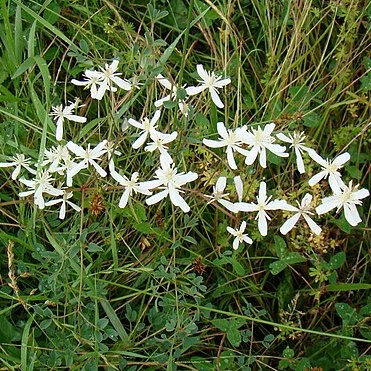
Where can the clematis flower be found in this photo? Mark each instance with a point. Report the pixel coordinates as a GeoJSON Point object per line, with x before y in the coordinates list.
{"type": "Point", "coordinates": [263, 205]}
{"type": "Point", "coordinates": [18, 161]}
{"type": "Point", "coordinates": [147, 126]}
{"type": "Point", "coordinates": [39, 185]}
{"type": "Point", "coordinates": [55, 156]}
{"type": "Point", "coordinates": [329, 169]}
{"type": "Point", "coordinates": [240, 237]}
{"type": "Point", "coordinates": [218, 194]}
{"type": "Point", "coordinates": [60, 114]}
{"type": "Point", "coordinates": [303, 210]}
{"type": "Point", "coordinates": [131, 186]}
{"type": "Point", "coordinates": [261, 140]}
{"type": "Point", "coordinates": [88, 157]}
{"type": "Point", "coordinates": [232, 139]}
{"type": "Point", "coordinates": [92, 80]}
{"type": "Point", "coordinates": [209, 81]}
{"type": "Point", "coordinates": [347, 198]}
{"type": "Point", "coordinates": [169, 180]}
{"type": "Point", "coordinates": [239, 187]}
{"type": "Point", "coordinates": [64, 201]}
{"type": "Point", "coordinates": [102, 81]}
{"type": "Point", "coordinates": [167, 84]}
{"type": "Point", "coordinates": [296, 141]}
{"type": "Point", "coordinates": [159, 143]}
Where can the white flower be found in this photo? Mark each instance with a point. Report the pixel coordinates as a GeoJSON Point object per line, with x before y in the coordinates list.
{"type": "Point", "coordinates": [261, 140]}
{"type": "Point", "coordinates": [39, 185]}
{"type": "Point", "coordinates": [347, 198]}
{"type": "Point", "coordinates": [239, 235]}
{"type": "Point", "coordinates": [101, 81]}
{"type": "Point", "coordinates": [159, 141]}
{"type": "Point", "coordinates": [211, 82]}
{"type": "Point", "coordinates": [296, 141]}
{"type": "Point", "coordinates": [109, 76]}
{"type": "Point", "coordinates": [147, 126]}
{"type": "Point", "coordinates": [60, 114]}
{"type": "Point", "coordinates": [92, 81]}
{"type": "Point", "coordinates": [183, 107]}
{"type": "Point", "coordinates": [130, 186]}
{"type": "Point", "coordinates": [303, 210]}
{"type": "Point", "coordinates": [169, 180]}
{"type": "Point", "coordinates": [218, 194]}
{"type": "Point", "coordinates": [232, 139]}
{"type": "Point", "coordinates": [329, 169]}
{"type": "Point", "coordinates": [19, 161]}
{"type": "Point", "coordinates": [263, 204]}
{"type": "Point", "coordinates": [64, 201]}
{"type": "Point", "coordinates": [56, 156]}
{"type": "Point", "coordinates": [88, 156]}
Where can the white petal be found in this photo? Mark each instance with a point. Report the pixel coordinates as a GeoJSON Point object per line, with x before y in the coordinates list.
{"type": "Point", "coordinates": [124, 198]}
{"type": "Point", "coordinates": [284, 138]}
{"type": "Point", "coordinates": [77, 150]}
{"type": "Point", "coordinates": [213, 143]}
{"type": "Point", "coordinates": [239, 187]}
{"type": "Point", "coordinates": [299, 162]}
{"type": "Point", "coordinates": [123, 84]}
{"type": "Point", "coordinates": [76, 118]}
{"type": "Point", "coordinates": [316, 157]}
{"type": "Point", "coordinates": [157, 197]}
{"type": "Point", "coordinates": [230, 158]}
{"type": "Point", "coordinates": [316, 178]}
{"type": "Point", "coordinates": [246, 207]}
{"type": "Point", "coordinates": [263, 158]}
{"type": "Point", "coordinates": [327, 205]}
{"type": "Point", "coordinates": [201, 72]}
{"type": "Point", "coordinates": [362, 193]}
{"type": "Point", "coordinates": [178, 200]}
{"type": "Point", "coordinates": [228, 205]}
{"type": "Point", "coordinates": [342, 159]}
{"type": "Point", "coordinates": [193, 90]}
{"type": "Point", "coordinates": [100, 171]}
{"type": "Point", "coordinates": [262, 223]}
{"type": "Point", "coordinates": [251, 157]}
{"type": "Point", "coordinates": [140, 141]}
{"type": "Point", "coordinates": [351, 214]}
{"type": "Point", "coordinates": [215, 97]}
{"type": "Point", "coordinates": [231, 231]}
{"type": "Point", "coordinates": [316, 229]}
{"type": "Point", "coordinates": [136, 124]}
{"type": "Point", "coordinates": [62, 212]}
{"type": "Point", "coordinates": [262, 191]}
{"type": "Point", "coordinates": [235, 244]}
{"type": "Point", "coordinates": [222, 130]}
{"type": "Point", "coordinates": [289, 223]}
{"type": "Point", "coordinates": [221, 183]}
{"type": "Point", "coordinates": [59, 131]}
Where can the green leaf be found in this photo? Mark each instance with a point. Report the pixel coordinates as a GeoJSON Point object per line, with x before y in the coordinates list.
{"type": "Point", "coordinates": [337, 260]}
{"type": "Point", "coordinates": [280, 246]}
{"type": "Point", "coordinates": [348, 287]}
{"type": "Point", "coordinates": [93, 247]}
{"type": "Point", "coordinates": [45, 324]}
{"type": "Point", "coordinates": [346, 313]}
{"type": "Point", "coordinates": [277, 267]}
{"type": "Point", "coordinates": [312, 120]}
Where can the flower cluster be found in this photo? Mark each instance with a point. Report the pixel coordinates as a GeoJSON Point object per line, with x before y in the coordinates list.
{"type": "Point", "coordinates": [53, 176]}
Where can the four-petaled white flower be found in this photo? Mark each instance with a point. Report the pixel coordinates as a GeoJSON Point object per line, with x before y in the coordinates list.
{"type": "Point", "coordinates": [159, 143]}
{"type": "Point", "coordinates": [89, 157]}
{"type": "Point", "coordinates": [296, 140]}
{"type": "Point", "coordinates": [19, 161]}
{"type": "Point", "coordinates": [39, 185]}
{"type": "Point", "coordinates": [239, 235]}
{"type": "Point", "coordinates": [147, 126]}
{"type": "Point", "coordinates": [232, 139]}
{"type": "Point", "coordinates": [261, 140]}
{"type": "Point", "coordinates": [263, 204]}
{"type": "Point", "coordinates": [130, 186]}
{"type": "Point", "coordinates": [303, 210]}
{"type": "Point", "coordinates": [56, 157]}
{"type": "Point", "coordinates": [210, 82]}
{"type": "Point", "coordinates": [169, 180]}
{"type": "Point", "coordinates": [348, 198]}
{"type": "Point", "coordinates": [60, 114]}
{"type": "Point", "coordinates": [183, 107]}
{"type": "Point", "coordinates": [329, 169]}
{"type": "Point", "coordinates": [64, 201]}
{"type": "Point", "coordinates": [101, 81]}
{"type": "Point", "coordinates": [218, 194]}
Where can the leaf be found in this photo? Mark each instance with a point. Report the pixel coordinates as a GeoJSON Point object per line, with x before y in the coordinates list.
{"type": "Point", "coordinates": [280, 246]}
{"type": "Point", "coordinates": [93, 247]}
{"type": "Point", "coordinates": [337, 260]}
{"type": "Point", "coordinates": [277, 267]}
{"type": "Point", "coordinates": [348, 287]}
{"type": "Point", "coordinates": [346, 313]}
{"type": "Point", "coordinates": [311, 120]}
